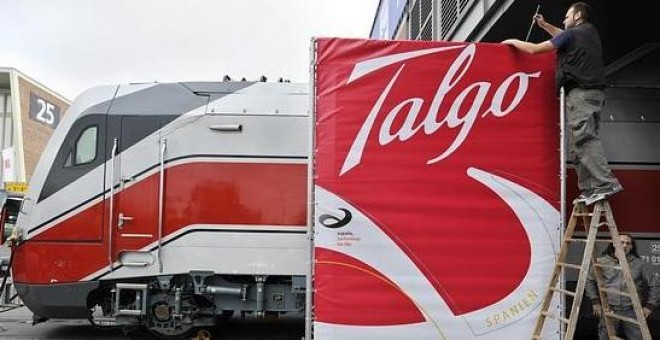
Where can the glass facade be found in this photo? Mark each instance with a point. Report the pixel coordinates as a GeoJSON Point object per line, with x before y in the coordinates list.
{"type": "Point", "coordinates": [6, 124]}
{"type": "Point", "coordinates": [420, 19]}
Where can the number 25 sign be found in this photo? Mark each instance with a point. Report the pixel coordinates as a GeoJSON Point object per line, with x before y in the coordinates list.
{"type": "Point", "coordinates": [44, 111]}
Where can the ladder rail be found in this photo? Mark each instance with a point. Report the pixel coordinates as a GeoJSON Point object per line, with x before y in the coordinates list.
{"type": "Point", "coordinates": [584, 271]}
{"type": "Point", "coordinates": [570, 229]}
{"type": "Point", "coordinates": [597, 272]}
{"type": "Point", "coordinates": [630, 283]}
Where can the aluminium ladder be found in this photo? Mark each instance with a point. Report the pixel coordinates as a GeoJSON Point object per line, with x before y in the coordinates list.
{"type": "Point", "coordinates": [600, 216]}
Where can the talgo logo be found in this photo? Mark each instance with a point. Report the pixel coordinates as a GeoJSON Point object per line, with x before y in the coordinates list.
{"type": "Point", "coordinates": [334, 222]}
{"type": "Point", "coordinates": [432, 122]}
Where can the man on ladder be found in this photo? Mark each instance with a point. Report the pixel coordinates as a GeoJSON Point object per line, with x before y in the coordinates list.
{"type": "Point", "coordinates": [580, 72]}
{"type": "Point", "coordinates": [647, 282]}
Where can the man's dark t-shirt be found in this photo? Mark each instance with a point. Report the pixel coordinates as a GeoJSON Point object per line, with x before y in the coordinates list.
{"type": "Point", "coordinates": [579, 58]}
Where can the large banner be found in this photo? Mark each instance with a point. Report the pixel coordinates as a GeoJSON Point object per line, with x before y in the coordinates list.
{"type": "Point", "coordinates": [436, 190]}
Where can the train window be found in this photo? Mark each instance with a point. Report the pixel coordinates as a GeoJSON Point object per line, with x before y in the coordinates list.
{"type": "Point", "coordinates": [84, 152]}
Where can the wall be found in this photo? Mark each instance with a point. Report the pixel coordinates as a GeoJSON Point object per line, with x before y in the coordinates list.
{"type": "Point", "coordinates": [35, 133]}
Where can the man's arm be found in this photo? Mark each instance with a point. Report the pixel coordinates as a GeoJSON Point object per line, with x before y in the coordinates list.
{"type": "Point", "coordinates": [532, 48]}
{"type": "Point", "coordinates": [591, 289]}
{"type": "Point", "coordinates": [546, 26]}
{"type": "Point", "coordinates": [653, 283]}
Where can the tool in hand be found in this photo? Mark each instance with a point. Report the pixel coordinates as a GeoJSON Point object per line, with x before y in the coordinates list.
{"type": "Point", "coordinates": [533, 21]}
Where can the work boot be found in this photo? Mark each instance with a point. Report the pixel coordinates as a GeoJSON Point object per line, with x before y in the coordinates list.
{"type": "Point", "coordinates": [599, 196]}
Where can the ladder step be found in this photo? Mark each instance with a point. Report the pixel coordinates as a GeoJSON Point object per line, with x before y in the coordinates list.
{"type": "Point", "coordinates": [556, 317]}
{"type": "Point", "coordinates": [584, 240]}
{"type": "Point", "coordinates": [569, 265]}
{"type": "Point", "coordinates": [583, 214]}
{"type": "Point", "coordinates": [607, 266]}
{"type": "Point", "coordinates": [614, 292]}
{"type": "Point", "coordinates": [564, 291]}
{"type": "Point", "coordinates": [621, 317]}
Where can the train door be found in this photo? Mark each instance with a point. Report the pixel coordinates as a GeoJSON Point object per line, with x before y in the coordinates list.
{"type": "Point", "coordinates": [136, 191]}
{"type": "Point", "coordinates": [73, 188]}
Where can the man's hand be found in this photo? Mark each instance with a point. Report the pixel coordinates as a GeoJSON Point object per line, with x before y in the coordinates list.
{"type": "Point", "coordinates": [597, 310]}
{"type": "Point", "coordinates": [538, 18]}
{"type": "Point", "coordinates": [646, 312]}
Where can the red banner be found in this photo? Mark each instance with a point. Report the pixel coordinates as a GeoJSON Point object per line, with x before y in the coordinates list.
{"type": "Point", "coordinates": [436, 189]}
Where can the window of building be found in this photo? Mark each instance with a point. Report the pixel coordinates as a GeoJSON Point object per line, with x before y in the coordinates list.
{"type": "Point", "coordinates": [435, 19]}
{"type": "Point", "coordinates": [448, 15]}
{"type": "Point", "coordinates": [6, 127]}
{"type": "Point", "coordinates": [451, 13]}
{"type": "Point", "coordinates": [421, 24]}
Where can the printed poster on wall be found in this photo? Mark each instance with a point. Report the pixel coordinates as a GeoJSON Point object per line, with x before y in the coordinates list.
{"type": "Point", "coordinates": [8, 165]}
{"type": "Point", "coordinates": [436, 190]}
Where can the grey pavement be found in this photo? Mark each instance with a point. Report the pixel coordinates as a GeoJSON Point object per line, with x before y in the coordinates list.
{"type": "Point", "coordinates": [17, 324]}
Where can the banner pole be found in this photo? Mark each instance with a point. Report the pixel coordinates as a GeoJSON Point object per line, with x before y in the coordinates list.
{"type": "Point", "coordinates": [562, 181]}
{"type": "Point", "coordinates": [562, 155]}
{"type": "Point", "coordinates": [310, 191]}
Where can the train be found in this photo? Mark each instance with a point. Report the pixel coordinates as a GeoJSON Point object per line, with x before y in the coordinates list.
{"type": "Point", "coordinates": [170, 206]}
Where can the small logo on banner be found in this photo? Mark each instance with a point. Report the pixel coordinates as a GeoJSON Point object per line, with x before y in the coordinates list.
{"type": "Point", "coordinates": [333, 222]}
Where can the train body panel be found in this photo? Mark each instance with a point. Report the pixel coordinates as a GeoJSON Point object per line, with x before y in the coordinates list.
{"type": "Point", "coordinates": [635, 208]}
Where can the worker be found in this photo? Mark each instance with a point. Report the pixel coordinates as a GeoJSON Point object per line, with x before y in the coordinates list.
{"type": "Point", "coordinates": [581, 72]}
{"type": "Point", "coordinates": [646, 281]}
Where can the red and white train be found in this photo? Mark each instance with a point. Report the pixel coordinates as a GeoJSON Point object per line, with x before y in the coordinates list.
{"type": "Point", "coordinates": [170, 206]}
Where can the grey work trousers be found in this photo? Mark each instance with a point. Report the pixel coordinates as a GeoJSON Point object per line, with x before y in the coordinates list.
{"type": "Point", "coordinates": [583, 107]}
{"type": "Point", "coordinates": [630, 330]}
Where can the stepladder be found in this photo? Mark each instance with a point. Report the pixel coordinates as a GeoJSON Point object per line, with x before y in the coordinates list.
{"type": "Point", "coordinates": [592, 220]}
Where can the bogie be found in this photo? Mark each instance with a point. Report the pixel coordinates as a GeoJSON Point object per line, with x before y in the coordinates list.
{"type": "Point", "coordinates": [175, 306]}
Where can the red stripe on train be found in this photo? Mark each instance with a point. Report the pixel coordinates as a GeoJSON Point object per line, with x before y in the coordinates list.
{"type": "Point", "coordinates": [195, 193]}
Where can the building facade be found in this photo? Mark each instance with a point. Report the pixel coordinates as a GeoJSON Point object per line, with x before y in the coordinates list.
{"type": "Point", "coordinates": [29, 113]}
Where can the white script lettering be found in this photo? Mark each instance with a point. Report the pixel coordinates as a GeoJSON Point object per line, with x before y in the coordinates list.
{"type": "Point", "coordinates": [454, 118]}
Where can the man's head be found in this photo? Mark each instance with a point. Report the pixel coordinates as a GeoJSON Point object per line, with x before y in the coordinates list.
{"type": "Point", "coordinates": [577, 14]}
{"type": "Point", "coordinates": [626, 242]}
{"type": "Point", "coordinates": [628, 246]}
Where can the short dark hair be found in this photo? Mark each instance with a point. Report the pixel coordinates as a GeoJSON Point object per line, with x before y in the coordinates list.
{"type": "Point", "coordinates": [583, 8]}
{"type": "Point", "coordinates": [610, 248]}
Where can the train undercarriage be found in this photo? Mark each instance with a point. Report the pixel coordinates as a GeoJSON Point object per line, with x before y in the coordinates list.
{"type": "Point", "coordinates": [174, 306]}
